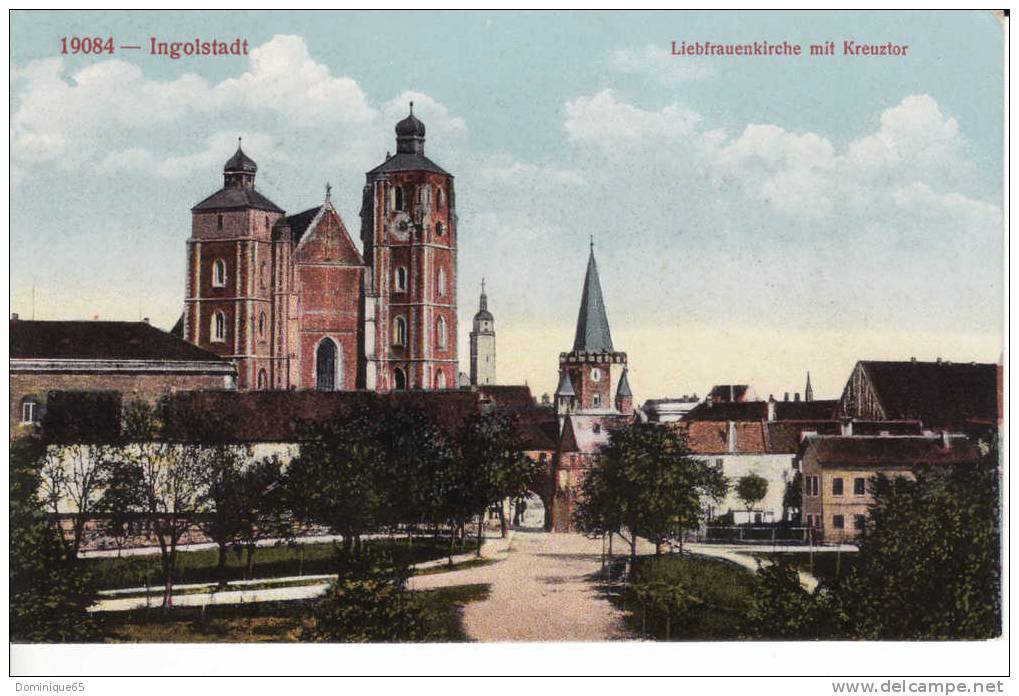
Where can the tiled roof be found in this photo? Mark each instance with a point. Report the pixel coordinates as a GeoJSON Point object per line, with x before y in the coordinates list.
{"type": "Point", "coordinates": [890, 451]}
{"type": "Point", "coordinates": [941, 394]}
{"type": "Point", "coordinates": [237, 198]}
{"type": "Point", "coordinates": [408, 162]}
{"type": "Point", "coordinates": [99, 340]}
{"type": "Point", "coordinates": [729, 410]}
{"type": "Point", "coordinates": [712, 437]}
{"type": "Point", "coordinates": [516, 396]}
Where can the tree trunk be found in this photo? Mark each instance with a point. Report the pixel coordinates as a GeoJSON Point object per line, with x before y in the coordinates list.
{"type": "Point", "coordinates": [221, 565]}
{"type": "Point", "coordinates": [503, 527]}
{"type": "Point", "coordinates": [611, 534]}
{"type": "Point", "coordinates": [481, 531]}
{"type": "Point", "coordinates": [249, 569]}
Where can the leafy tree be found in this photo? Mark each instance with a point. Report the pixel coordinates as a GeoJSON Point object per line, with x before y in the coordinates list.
{"type": "Point", "coordinates": [493, 465]}
{"type": "Point", "coordinates": [368, 603]}
{"type": "Point", "coordinates": [647, 482]}
{"type": "Point", "coordinates": [792, 497]}
{"type": "Point", "coordinates": [750, 490]}
{"type": "Point", "coordinates": [157, 481]}
{"type": "Point", "coordinates": [783, 609]}
{"type": "Point", "coordinates": [929, 565]}
{"type": "Point", "coordinates": [49, 592]}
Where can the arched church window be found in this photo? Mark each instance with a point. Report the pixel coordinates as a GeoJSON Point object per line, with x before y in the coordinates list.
{"type": "Point", "coordinates": [399, 379]}
{"type": "Point", "coordinates": [439, 229]}
{"type": "Point", "coordinates": [440, 380]}
{"type": "Point", "coordinates": [263, 272]}
{"type": "Point", "coordinates": [401, 279]}
{"type": "Point", "coordinates": [399, 198]}
{"type": "Point", "coordinates": [261, 324]}
{"type": "Point", "coordinates": [327, 364]}
{"type": "Point", "coordinates": [29, 410]}
{"type": "Point", "coordinates": [263, 380]}
{"type": "Point", "coordinates": [219, 273]}
{"type": "Point", "coordinates": [440, 199]}
{"type": "Point", "coordinates": [219, 326]}
{"type": "Point", "coordinates": [219, 222]}
{"type": "Point", "coordinates": [441, 282]}
{"type": "Point", "coordinates": [399, 331]}
{"type": "Point", "coordinates": [440, 333]}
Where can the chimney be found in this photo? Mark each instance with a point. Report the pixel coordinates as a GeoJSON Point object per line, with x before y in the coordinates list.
{"type": "Point", "coordinates": [732, 437]}
{"type": "Point", "coordinates": [846, 428]}
{"type": "Point", "coordinates": [786, 397]}
{"type": "Point", "coordinates": [939, 360]}
{"type": "Point", "coordinates": [796, 396]}
{"type": "Point", "coordinates": [912, 359]}
{"type": "Point", "coordinates": [771, 410]}
{"type": "Point", "coordinates": [14, 316]}
{"type": "Point", "coordinates": [146, 320]}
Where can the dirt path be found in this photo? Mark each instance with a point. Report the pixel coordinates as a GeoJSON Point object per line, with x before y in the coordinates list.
{"type": "Point", "coordinates": [541, 590]}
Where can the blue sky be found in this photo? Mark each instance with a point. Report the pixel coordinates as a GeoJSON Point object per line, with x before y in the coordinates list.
{"type": "Point", "coordinates": [753, 217]}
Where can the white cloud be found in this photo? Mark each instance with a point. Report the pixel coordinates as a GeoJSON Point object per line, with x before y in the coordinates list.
{"type": "Point", "coordinates": [657, 62]}
{"type": "Point", "coordinates": [912, 132]}
{"type": "Point", "coordinates": [604, 119]}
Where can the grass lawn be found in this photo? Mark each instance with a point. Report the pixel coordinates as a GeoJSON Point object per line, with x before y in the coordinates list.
{"type": "Point", "coordinates": [722, 593]}
{"type": "Point", "coordinates": [827, 564]}
{"type": "Point", "coordinates": [269, 622]}
{"type": "Point", "coordinates": [270, 562]}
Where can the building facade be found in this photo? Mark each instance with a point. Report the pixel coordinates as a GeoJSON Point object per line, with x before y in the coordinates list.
{"type": "Point", "coordinates": [295, 304]}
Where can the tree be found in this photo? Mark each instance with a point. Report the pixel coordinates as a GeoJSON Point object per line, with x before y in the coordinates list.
{"type": "Point", "coordinates": [783, 609]}
{"type": "Point", "coordinates": [647, 482]}
{"type": "Point", "coordinates": [157, 480]}
{"type": "Point", "coordinates": [929, 564]}
{"type": "Point", "coordinates": [792, 497]}
{"type": "Point", "coordinates": [50, 593]}
{"type": "Point", "coordinates": [750, 490]}
{"type": "Point", "coordinates": [73, 478]}
{"type": "Point", "coordinates": [493, 464]}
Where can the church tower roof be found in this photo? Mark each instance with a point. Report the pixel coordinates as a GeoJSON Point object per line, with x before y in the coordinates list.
{"type": "Point", "coordinates": [624, 385]}
{"type": "Point", "coordinates": [565, 387]}
{"type": "Point", "coordinates": [410, 149]}
{"type": "Point", "coordinates": [593, 334]}
{"type": "Point", "coordinates": [240, 162]}
{"type": "Point", "coordinates": [483, 312]}
{"type": "Point", "coordinates": [808, 392]}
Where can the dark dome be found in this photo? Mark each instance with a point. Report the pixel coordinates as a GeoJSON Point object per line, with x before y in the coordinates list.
{"type": "Point", "coordinates": [410, 127]}
{"type": "Point", "coordinates": [484, 315]}
{"type": "Point", "coordinates": [240, 163]}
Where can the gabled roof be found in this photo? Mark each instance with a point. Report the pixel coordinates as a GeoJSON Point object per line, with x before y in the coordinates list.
{"type": "Point", "coordinates": [941, 394]}
{"type": "Point", "coordinates": [588, 434]}
{"type": "Point", "coordinates": [514, 396]}
{"type": "Point", "coordinates": [593, 335]}
{"type": "Point", "coordinates": [300, 222]}
{"type": "Point", "coordinates": [236, 199]}
{"type": "Point", "coordinates": [712, 437]}
{"type": "Point", "coordinates": [100, 340]}
{"type": "Point", "coordinates": [408, 162]}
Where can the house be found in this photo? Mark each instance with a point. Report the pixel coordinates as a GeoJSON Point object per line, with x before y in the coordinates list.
{"type": "Point", "coordinates": [137, 360]}
{"type": "Point", "coordinates": [837, 471]}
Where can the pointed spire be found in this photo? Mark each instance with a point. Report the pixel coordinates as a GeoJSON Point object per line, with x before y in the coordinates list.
{"type": "Point", "coordinates": [329, 191]}
{"type": "Point", "coordinates": [808, 392]}
{"type": "Point", "coordinates": [483, 303]}
{"type": "Point", "coordinates": [624, 385]}
{"type": "Point", "coordinates": [565, 387]}
{"type": "Point", "coordinates": [593, 334]}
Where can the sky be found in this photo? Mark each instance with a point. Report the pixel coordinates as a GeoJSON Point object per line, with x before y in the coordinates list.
{"type": "Point", "coordinates": [753, 217]}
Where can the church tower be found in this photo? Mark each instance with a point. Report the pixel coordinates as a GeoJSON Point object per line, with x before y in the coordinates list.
{"type": "Point", "coordinates": [483, 344]}
{"type": "Point", "coordinates": [808, 391]}
{"type": "Point", "coordinates": [408, 231]}
{"type": "Point", "coordinates": [587, 369]}
{"type": "Point", "coordinates": [229, 306]}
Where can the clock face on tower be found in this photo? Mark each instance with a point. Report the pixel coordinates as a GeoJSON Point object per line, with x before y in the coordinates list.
{"type": "Point", "coordinates": [401, 227]}
{"type": "Point", "coordinates": [595, 374]}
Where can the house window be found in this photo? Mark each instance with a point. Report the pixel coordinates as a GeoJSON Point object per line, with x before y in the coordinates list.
{"type": "Point", "coordinates": [440, 333]}
{"type": "Point", "coordinates": [836, 486]}
{"type": "Point", "coordinates": [263, 379]}
{"type": "Point", "coordinates": [439, 229]}
{"type": "Point", "coordinates": [441, 282]}
{"type": "Point", "coordinates": [399, 379]}
{"type": "Point", "coordinates": [859, 486]}
{"type": "Point", "coordinates": [219, 273]}
{"type": "Point", "coordinates": [859, 522]}
{"type": "Point", "coordinates": [597, 400]}
{"type": "Point", "coordinates": [838, 522]}
{"type": "Point", "coordinates": [29, 410]}
{"type": "Point", "coordinates": [219, 327]}
{"type": "Point", "coordinates": [219, 222]}
{"type": "Point", "coordinates": [399, 331]}
{"type": "Point", "coordinates": [812, 485]}
{"type": "Point", "coordinates": [401, 279]}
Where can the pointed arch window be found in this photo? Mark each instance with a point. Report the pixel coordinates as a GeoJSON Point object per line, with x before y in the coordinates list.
{"type": "Point", "coordinates": [399, 379]}
{"type": "Point", "coordinates": [400, 195]}
{"type": "Point", "coordinates": [440, 199]}
{"type": "Point", "coordinates": [327, 365]}
{"type": "Point", "coordinates": [219, 273]}
{"type": "Point", "coordinates": [401, 279]}
{"type": "Point", "coordinates": [261, 324]}
{"type": "Point", "coordinates": [440, 282]}
{"type": "Point", "coordinates": [399, 331]}
{"type": "Point", "coordinates": [439, 229]}
{"type": "Point", "coordinates": [440, 380]}
{"type": "Point", "coordinates": [218, 327]}
{"type": "Point", "coordinates": [263, 380]}
{"type": "Point", "coordinates": [441, 333]}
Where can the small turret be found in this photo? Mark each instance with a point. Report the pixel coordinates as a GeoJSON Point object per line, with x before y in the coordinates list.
{"type": "Point", "coordinates": [808, 392]}
{"type": "Point", "coordinates": [239, 171]}
{"type": "Point", "coordinates": [624, 397]}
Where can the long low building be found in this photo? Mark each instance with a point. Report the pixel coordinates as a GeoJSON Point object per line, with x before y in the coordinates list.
{"type": "Point", "coordinates": [133, 358]}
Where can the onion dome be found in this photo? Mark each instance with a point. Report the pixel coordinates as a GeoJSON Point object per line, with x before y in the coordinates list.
{"type": "Point", "coordinates": [240, 163]}
{"type": "Point", "coordinates": [410, 127]}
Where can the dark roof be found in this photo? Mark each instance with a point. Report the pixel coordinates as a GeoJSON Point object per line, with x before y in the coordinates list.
{"type": "Point", "coordinates": [99, 340]}
{"type": "Point", "coordinates": [941, 394]}
{"type": "Point", "coordinates": [729, 410]}
{"type": "Point", "coordinates": [539, 428]}
{"type": "Point", "coordinates": [593, 335]}
{"type": "Point", "coordinates": [237, 198]}
{"type": "Point", "coordinates": [728, 392]}
{"type": "Point", "coordinates": [806, 410]}
{"type": "Point", "coordinates": [178, 327]}
{"type": "Point", "coordinates": [891, 451]}
{"type": "Point", "coordinates": [411, 126]}
{"type": "Point", "coordinates": [278, 416]}
{"type": "Point", "coordinates": [565, 387]}
{"type": "Point", "coordinates": [299, 223]}
{"type": "Point", "coordinates": [785, 437]}
{"type": "Point", "coordinates": [507, 395]}
{"type": "Point", "coordinates": [240, 162]}
{"type": "Point", "coordinates": [623, 389]}
{"type": "Point", "coordinates": [408, 162]}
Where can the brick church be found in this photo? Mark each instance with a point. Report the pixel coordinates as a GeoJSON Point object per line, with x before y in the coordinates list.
{"type": "Point", "coordinates": [293, 302]}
